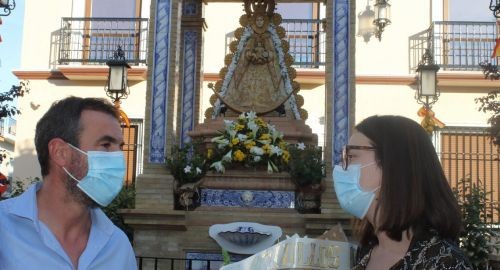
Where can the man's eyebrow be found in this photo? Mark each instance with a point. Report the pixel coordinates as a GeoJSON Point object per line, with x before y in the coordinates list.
{"type": "Point", "coordinates": [111, 139]}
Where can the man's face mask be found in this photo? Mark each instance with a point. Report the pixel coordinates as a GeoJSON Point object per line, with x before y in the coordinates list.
{"type": "Point", "coordinates": [352, 198]}
{"type": "Point", "coordinates": [104, 178]}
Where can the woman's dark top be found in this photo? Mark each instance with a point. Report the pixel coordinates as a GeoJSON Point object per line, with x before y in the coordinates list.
{"type": "Point", "coordinates": [425, 252]}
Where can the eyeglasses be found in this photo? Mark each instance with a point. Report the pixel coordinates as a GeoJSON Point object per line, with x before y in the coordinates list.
{"type": "Point", "coordinates": [345, 153]}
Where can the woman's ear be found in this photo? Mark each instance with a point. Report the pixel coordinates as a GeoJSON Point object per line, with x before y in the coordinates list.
{"type": "Point", "coordinates": [59, 152]}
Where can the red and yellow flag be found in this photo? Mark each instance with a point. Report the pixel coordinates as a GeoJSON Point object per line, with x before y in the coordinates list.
{"type": "Point", "coordinates": [496, 51]}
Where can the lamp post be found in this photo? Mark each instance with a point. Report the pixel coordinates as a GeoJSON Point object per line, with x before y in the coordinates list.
{"type": "Point", "coordinates": [495, 7]}
{"type": "Point", "coordinates": [117, 86]}
{"type": "Point", "coordinates": [382, 17]}
{"type": "Point", "coordinates": [7, 6]}
{"type": "Point", "coordinates": [366, 28]}
{"type": "Point", "coordinates": [427, 93]}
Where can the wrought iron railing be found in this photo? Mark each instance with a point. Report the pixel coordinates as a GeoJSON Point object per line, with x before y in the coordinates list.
{"type": "Point", "coordinates": [307, 39]}
{"type": "Point", "coordinates": [154, 263]}
{"type": "Point", "coordinates": [93, 40]}
{"type": "Point", "coordinates": [456, 45]}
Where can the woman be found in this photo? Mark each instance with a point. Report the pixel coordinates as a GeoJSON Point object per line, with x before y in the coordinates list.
{"type": "Point", "coordinates": [392, 180]}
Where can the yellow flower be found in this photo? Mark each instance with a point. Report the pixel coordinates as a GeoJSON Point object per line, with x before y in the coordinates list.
{"type": "Point", "coordinates": [235, 141]}
{"type": "Point", "coordinates": [260, 122]}
{"type": "Point", "coordinates": [239, 127]}
{"type": "Point", "coordinates": [286, 156]}
{"type": "Point", "coordinates": [266, 148]}
{"type": "Point", "coordinates": [265, 136]}
{"type": "Point", "coordinates": [282, 145]}
{"type": "Point", "coordinates": [239, 156]}
{"type": "Point", "coordinates": [210, 153]}
{"type": "Point", "coordinates": [249, 144]}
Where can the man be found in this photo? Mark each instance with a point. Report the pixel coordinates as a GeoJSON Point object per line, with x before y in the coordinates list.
{"type": "Point", "coordinates": [56, 224]}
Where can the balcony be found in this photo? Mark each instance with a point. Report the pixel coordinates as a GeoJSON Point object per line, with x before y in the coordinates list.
{"type": "Point", "coordinates": [307, 42]}
{"type": "Point", "coordinates": [91, 41]}
{"type": "Point", "coordinates": [457, 46]}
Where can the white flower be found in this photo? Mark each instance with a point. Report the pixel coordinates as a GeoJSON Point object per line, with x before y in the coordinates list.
{"type": "Point", "coordinates": [257, 151]}
{"type": "Point", "coordinates": [187, 169]}
{"type": "Point", "coordinates": [198, 170]}
{"type": "Point", "coordinates": [256, 158]}
{"type": "Point", "coordinates": [242, 137]}
{"type": "Point", "coordinates": [301, 146]}
{"type": "Point", "coordinates": [228, 156]}
{"type": "Point", "coordinates": [228, 123]}
{"type": "Point", "coordinates": [218, 166]}
{"type": "Point", "coordinates": [251, 115]}
{"type": "Point", "coordinates": [241, 116]}
{"type": "Point", "coordinates": [253, 127]}
{"type": "Point", "coordinates": [276, 150]}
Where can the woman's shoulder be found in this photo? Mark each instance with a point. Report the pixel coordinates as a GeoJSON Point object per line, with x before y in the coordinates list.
{"type": "Point", "coordinates": [438, 253]}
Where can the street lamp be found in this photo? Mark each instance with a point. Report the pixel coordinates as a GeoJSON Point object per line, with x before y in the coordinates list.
{"type": "Point", "coordinates": [117, 86]}
{"type": "Point", "coordinates": [382, 17]}
{"type": "Point", "coordinates": [366, 28]}
{"type": "Point", "coordinates": [427, 93]}
{"type": "Point", "coordinates": [7, 6]}
{"type": "Point", "coordinates": [495, 7]}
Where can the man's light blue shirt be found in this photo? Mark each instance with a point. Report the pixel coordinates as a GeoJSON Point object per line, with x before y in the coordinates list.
{"type": "Point", "coordinates": [27, 243]}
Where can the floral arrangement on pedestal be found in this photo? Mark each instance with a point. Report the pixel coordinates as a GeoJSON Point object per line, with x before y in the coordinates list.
{"type": "Point", "coordinates": [188, 167]}
{"type": "Point", "coordinates": [307, 170]}
{"type": "Point", "coordinates": [249, 141]}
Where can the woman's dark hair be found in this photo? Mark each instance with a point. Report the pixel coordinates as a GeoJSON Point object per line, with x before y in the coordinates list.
{"type": "Point", "coordinates": [62, 120]}
{"type": "Point", "coordinates": [414, 193]}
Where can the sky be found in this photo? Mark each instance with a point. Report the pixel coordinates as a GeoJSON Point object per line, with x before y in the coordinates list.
{"type": "Point", "coordinates": [10, 47]}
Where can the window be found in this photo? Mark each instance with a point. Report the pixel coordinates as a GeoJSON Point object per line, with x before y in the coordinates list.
{"type": "Point", "coordinates": [132, 149]}
{"type": "Point", "coordinates": [467, 153]}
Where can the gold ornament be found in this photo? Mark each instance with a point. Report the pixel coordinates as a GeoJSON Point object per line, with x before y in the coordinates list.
{"type": "Point", "coordinates": [285, 46]}
{"type": "Point", "coordinates": [295, 86]}
{"type": "Point", "coordinates": [213, 99]}
{"type": "Point", "coordinates": [299, 100]}
{"type": "Point", "coordinates": [303, 114]}
{"type": "Point", "coordinates": [233, 46]}
{"type": "Point", "coordinates": [223, 72]}
{"type": "Point", "coordinates": [239, 32]}
{"type": "Point", "coordinates": [209, 112]}
{"type": "Point", "coordinates": [281, 31]}
{"type": "Point", "coordinates": [218, 86]}
{"type": "Point", "coordinates": [228, 59]}
{"type": "Point", "coordinates": [244, 20]}
{"type": "Point", "coordinates": [277, 19]}
{"type": "Point", "coordinates": [292, 73]}
{"type": "Point", "coordinates": [288, 59]}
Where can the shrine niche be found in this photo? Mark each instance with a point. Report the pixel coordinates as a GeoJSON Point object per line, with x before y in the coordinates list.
{"type": "Point", "coordinates": [258, 75]}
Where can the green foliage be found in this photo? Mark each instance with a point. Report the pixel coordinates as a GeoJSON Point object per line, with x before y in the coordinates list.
{"type": "Point", "coordinates": [186, 164]}
{"type": "Point", "coordinates": [491, 104]}
{"type": "Point", "coordinates": [477, 237]}
{"type": "Point", "coordinates": [7, 97]}
{"type": "Point", "coordinates": [19, 186]}
{"type": "Point", "coordinates": [125, 199]}
{"type": "Point", "coordinates": [306, 166]}
{"type": "Point", "coordinates": [226, 257]}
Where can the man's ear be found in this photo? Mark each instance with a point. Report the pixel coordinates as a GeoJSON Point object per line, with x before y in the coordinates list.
{"type": "Point", "coordinates": [59, 152]}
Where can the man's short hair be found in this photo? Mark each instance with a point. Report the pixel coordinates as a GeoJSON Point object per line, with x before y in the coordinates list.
{"type": "Point", "coordinates": [62, 120]}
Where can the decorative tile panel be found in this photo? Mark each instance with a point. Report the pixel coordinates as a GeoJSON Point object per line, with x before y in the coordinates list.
{"type": "Point", "coordinates": [188, 84]}
{"type": "Point", "coordinates": [340, 89]}
{"type": "Point", "coordinates": [190, 7]}
{"type": "Point", "coordinates": [248, 198]}
{"type": "Point", "coordinates": [159, 94]}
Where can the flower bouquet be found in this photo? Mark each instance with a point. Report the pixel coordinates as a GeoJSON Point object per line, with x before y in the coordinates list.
{"type": "Point", "coordinates": [306, 165]}
{"type": "Point", "coordinates": [188, 167]}
{"type": "Point", "coordinates": [249, 141]}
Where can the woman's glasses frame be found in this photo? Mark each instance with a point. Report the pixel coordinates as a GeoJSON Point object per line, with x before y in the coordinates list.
{"type": "Point", "coordinates": [345, 153]}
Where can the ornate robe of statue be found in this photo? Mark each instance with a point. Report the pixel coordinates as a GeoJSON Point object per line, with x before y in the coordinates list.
{"type": "Point", "coordinates": [257, 84]}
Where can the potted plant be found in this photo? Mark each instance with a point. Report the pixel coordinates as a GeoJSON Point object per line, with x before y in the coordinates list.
{"type": "Point", "coordinates": [249, 142]}
{"type": "Point", "coordinates": [307, 170]}
{"type": "Point", "coordinates": [188, 167]}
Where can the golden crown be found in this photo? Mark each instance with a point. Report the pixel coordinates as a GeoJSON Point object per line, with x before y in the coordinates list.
{"type": "Point", "coordinates": [259, 7]}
